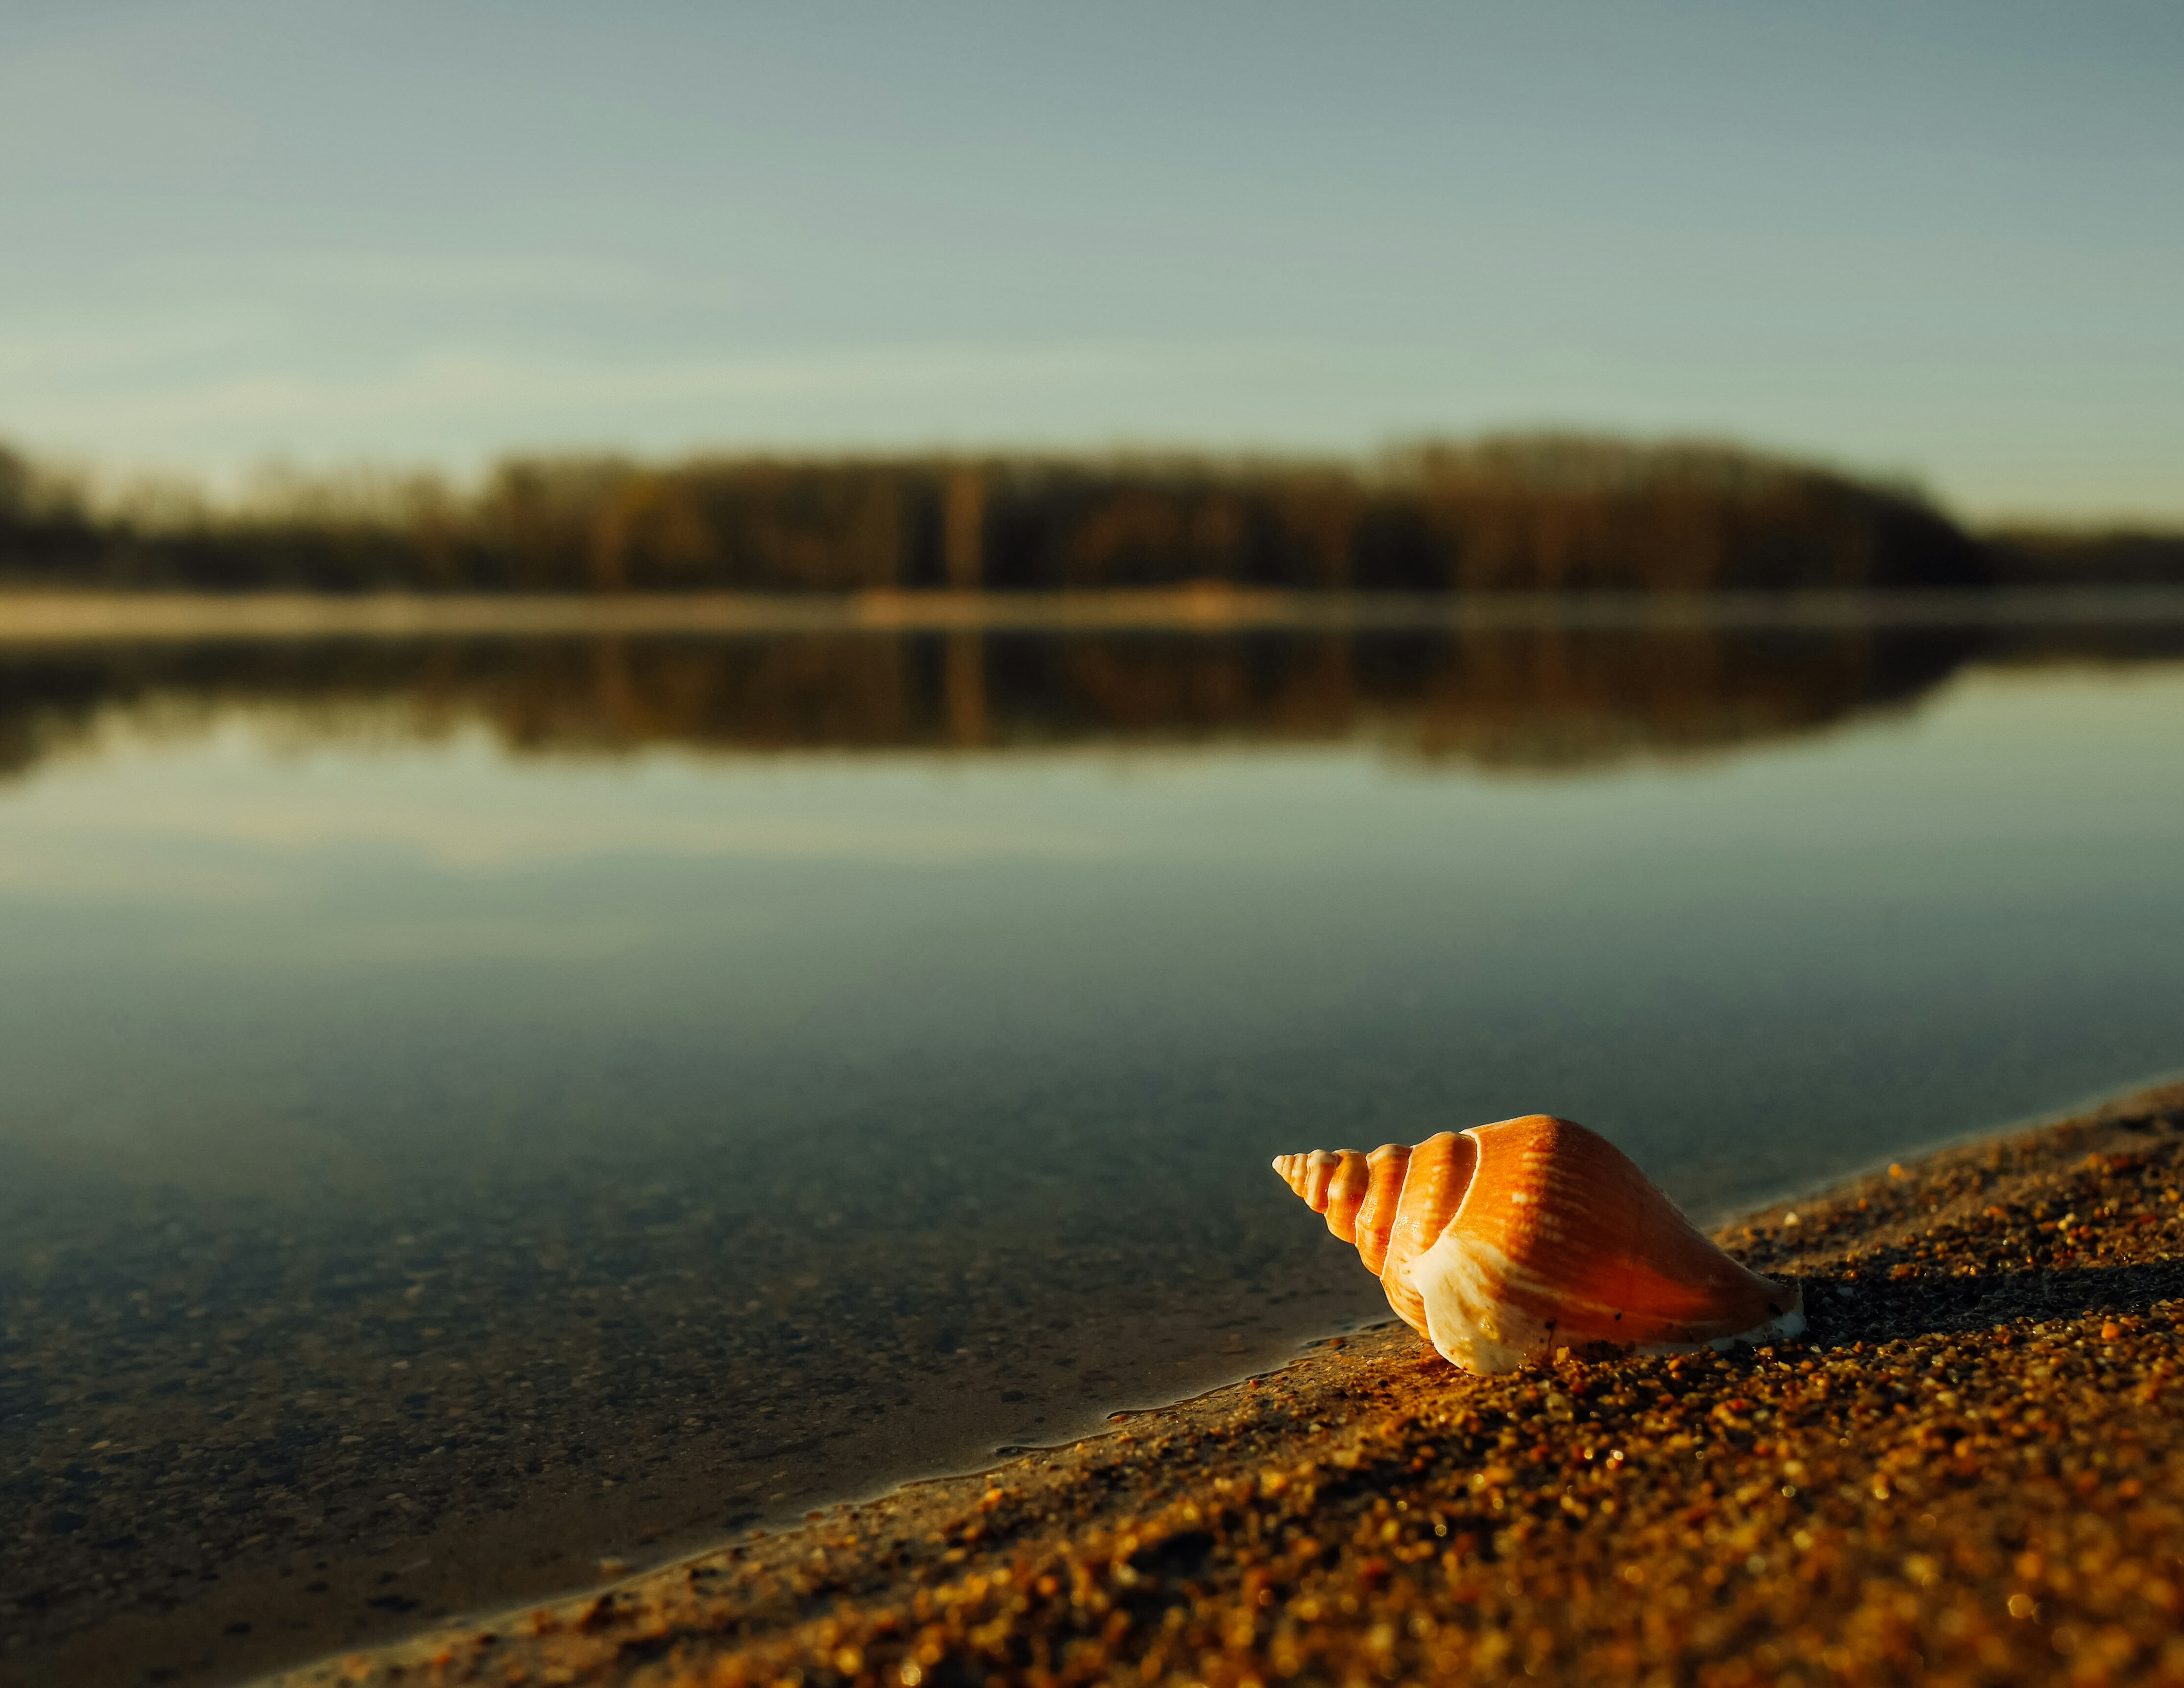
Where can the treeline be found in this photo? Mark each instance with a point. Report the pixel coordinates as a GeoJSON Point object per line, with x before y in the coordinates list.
{"type": "Point", "coordinates": [1543, 513]}
{"type": "Point", "coordinates": [2122, 556]}
{"type": "Point", "coordinates": [1541, 697]}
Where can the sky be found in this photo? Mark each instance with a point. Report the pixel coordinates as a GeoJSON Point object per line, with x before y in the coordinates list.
{"type": "Point", "coordinates": [1942, 241]}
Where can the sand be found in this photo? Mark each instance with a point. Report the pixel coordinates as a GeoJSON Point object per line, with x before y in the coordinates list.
{"type": "Point", "coordinates": [1971, 1470]}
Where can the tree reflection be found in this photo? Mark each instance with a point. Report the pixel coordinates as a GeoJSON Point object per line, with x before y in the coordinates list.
{"type": "Point", "coordinates": [1539, 697]}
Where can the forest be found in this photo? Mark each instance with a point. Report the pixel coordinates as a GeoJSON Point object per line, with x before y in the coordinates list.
{"type": "Point", "coordinates": [1532, 513]}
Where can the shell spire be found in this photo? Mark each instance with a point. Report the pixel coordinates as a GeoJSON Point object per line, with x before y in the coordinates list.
{"type": "Point", "coordinates": [1505, 1242]}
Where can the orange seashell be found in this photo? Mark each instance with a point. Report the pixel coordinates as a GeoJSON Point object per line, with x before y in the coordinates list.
{"type": "Point", "coordinates": [1505, 1242]}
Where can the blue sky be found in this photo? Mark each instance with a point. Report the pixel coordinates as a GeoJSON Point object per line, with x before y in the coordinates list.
{"type": "Point", "coordinates": [1943, 240]}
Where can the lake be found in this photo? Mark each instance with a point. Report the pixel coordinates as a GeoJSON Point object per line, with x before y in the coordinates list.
{"type": "Point", "coordinates": [480, 1107]}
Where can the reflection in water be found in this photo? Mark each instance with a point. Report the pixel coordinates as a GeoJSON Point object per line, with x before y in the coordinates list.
{"type": "Point", "coordinates": [1524, 697]}
{"type": "Point", "coordinates": [425, 1171]}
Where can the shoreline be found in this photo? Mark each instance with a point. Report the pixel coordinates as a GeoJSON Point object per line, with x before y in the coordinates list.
{"type": "Point", "coordinates": [40, 618]}
{"type": "Point", "coordinates": [1970, 1467]}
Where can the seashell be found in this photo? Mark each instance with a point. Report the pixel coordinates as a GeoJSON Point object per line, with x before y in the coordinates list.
{"type": "Point", "coordinates": [1505, 1242]}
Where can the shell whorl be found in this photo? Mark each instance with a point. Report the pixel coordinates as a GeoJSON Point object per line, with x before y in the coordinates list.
{"type": "Point", "coordinates": [1506, 1241]}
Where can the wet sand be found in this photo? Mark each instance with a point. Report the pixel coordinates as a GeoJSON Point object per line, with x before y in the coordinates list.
{"type": "Point", "coordinates": [1971, 1470]}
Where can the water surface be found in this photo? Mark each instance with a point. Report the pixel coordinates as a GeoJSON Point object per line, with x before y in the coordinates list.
{"type": "Point", "coordinates": [477, 1108]}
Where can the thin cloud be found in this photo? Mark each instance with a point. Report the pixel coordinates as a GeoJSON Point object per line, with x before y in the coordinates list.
{"type": "Point", "coordinates": [302, 278]}
{"type": "Point", "coordinates": [468, 380]}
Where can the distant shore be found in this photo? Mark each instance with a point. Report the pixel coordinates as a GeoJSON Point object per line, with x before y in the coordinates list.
{"type": "Point", "coordinates": [1970, 1469]}
{"type": "Point", "coordinates": [50, 618]}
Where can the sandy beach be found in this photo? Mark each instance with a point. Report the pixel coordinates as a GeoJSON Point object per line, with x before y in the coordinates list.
{"type": "Point", "coordinates": [1970, 1469]}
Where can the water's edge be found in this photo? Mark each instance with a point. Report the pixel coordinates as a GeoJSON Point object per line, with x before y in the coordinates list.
{"type": "Point", "coordinates": [629, 1574]}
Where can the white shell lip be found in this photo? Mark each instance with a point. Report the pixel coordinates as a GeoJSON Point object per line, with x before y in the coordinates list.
{"type": "Point", "coordinates": [1467, 1324]}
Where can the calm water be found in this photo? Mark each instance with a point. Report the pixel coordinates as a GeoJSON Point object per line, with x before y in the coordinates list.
{"type": "Point", "coordinates": [475, 1109]}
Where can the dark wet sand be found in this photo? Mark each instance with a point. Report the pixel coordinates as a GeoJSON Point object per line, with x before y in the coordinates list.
{"type": "Point", "coordinates": [1971, 1470]}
